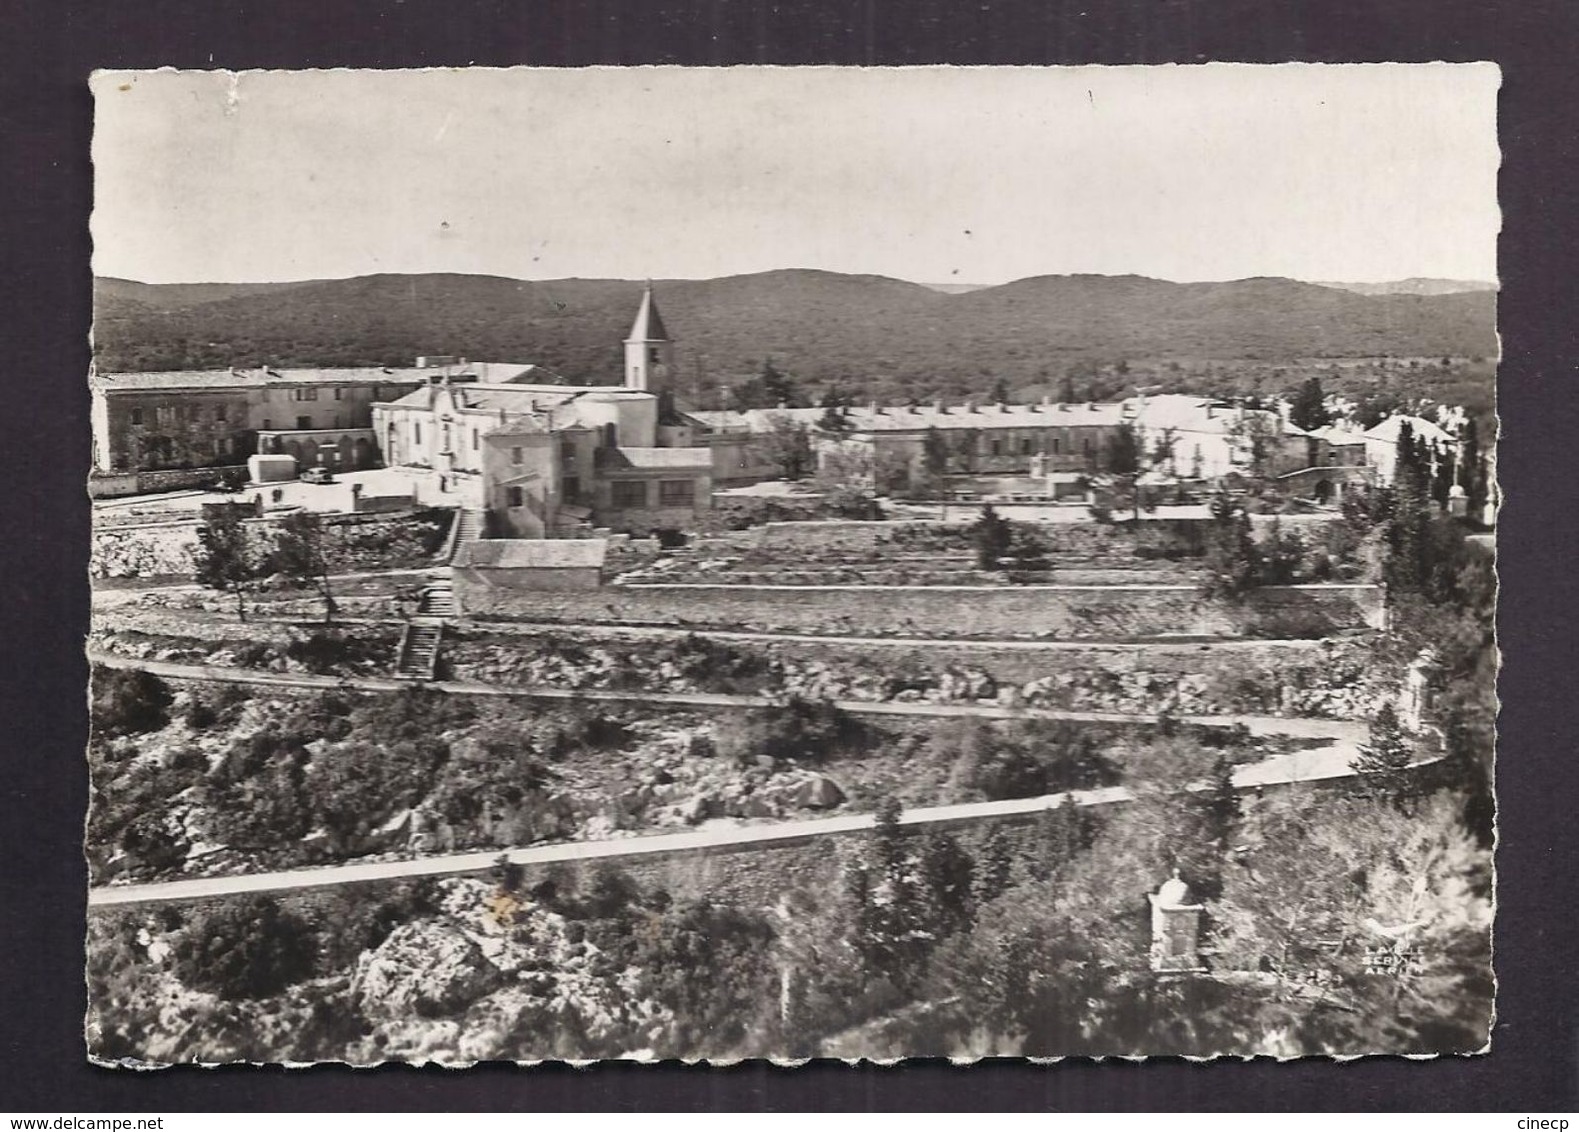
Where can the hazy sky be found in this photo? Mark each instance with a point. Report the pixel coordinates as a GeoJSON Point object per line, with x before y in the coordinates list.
{"type": "Point", "coordinates": [976, 175]}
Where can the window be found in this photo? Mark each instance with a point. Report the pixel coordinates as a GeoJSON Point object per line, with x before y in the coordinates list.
{"type": "Point", "coordinates": [567, 451]}
{"type": "Point", "coordinates": [676, 493]}
{"type": "Point", "coordinates": [444, 441]}
{"type": "Point", "coordinates": [219, 411]}
{"type": "Point", "coordinates": [628, 493]}
{"type": "Point", "coordinates": [474, 440]}
{"type": "Point", "coordinates": [304, 422]}
{"type": "Point", "coordinates": [652, 355]}
{"type": "Point", "coordinates": [309, 393]}
{"type": "Point", "coordinates": [1025, 445]}
{"type": "Point", "coordinates": [137, 416]}
{"type": "Point", "coordinates": [267, 424]}
{"type": "Point", "coordinates": [570, 490]}
{"type": "Point", "coordinates": [513, 497]}
{"type": "Point", "coordinates": [611, 436]}
{"type": "Point", "coordinates": [416, 432]}
{"type": "Point", "coordinates": [997, 446]}
{"type": "Point", "coordinates": [337, 393]}
{"type": "Point", "coordinates": [1056, 445]}
{"type": "Point", "coordinates": [515, 456]}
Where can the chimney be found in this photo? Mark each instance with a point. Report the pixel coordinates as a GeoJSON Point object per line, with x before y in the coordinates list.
{"type": "Point", "coordinates": [1003, 406]}
{"type": "Point", "coordinates": [939, 407]}
{"type": "Point", "coordinates": [1062, 408]}
{"type": "Point", "coordinates": [970, 406]}
{"type": "Point", "coordinates": [783, 404]}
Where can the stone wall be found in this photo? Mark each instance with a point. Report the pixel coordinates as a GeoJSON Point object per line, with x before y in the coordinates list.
{"type": "Point", "coordinates": [1046, 612]}
{"type": "Point", "coordinates": [175, 479]}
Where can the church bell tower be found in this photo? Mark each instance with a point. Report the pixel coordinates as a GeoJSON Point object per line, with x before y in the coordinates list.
{"type": "Point", "coordinates": [649, 355]}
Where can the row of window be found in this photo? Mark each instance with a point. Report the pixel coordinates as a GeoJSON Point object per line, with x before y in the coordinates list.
{"type": "Point", "coordinates": [625, 494]}
{"type": "Point", "coordinates": [181, 414]}
{"type": "Point", "coordinates": [310, 393]}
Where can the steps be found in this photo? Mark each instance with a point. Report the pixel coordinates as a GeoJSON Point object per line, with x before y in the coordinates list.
{"type": "Point", "coordinates": [419, 649]}
{"type": "Point", "coordinates": [438, 600]}
{"type": "Point", "coordinates": [467, 528]}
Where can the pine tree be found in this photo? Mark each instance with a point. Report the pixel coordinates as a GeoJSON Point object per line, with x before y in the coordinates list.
{"type": "Point", "coordinates": [947, 872]}
{"type": "Point", "coordinates": [1308, 409]}
{"type": "Point", "coordinates": [992, 536]}
{"type": "Point", "coordinates": [994, 866]}
{"type": "Point", "coordinates": [1382, 766]}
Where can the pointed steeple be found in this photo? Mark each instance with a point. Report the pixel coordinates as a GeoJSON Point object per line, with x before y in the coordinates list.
{"type": "Point", "coordinates": [649, 353]}
{"type": "Point", "coordinates": [648, 326]}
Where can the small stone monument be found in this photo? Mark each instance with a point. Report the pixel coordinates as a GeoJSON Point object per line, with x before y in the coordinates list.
{"type": "Point", "coordinates": [1175, 928]}
{"type": "Point", "coordinates": [1457, 501]}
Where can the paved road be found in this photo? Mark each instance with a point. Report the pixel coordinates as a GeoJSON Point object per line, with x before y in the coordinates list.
{"type": "Point", "coordinates": [1305, 766]}
{"type": "Point", "coordinates": [1342, 732]}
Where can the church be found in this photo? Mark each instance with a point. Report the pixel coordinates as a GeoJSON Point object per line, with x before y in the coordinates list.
{"type": "Point", "coordinates": [540, 458]}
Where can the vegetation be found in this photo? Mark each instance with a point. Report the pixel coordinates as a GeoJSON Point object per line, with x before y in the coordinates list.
{"type": "Point", "coordinates": [876, 339]}
{"type": "Point", "coordinates": [128, 701]}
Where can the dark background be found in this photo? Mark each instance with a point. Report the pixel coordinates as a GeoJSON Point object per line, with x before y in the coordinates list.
{"type": "Point", "coordinates": [46, 53]}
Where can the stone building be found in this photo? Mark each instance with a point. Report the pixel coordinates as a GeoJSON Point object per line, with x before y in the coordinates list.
{"type": "Point", "coordinates": [217, 418]}
{"type": "Point", "coordinates": [544, 459]}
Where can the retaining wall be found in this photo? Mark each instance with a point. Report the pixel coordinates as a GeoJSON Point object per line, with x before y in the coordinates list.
{"type": "Point", "coordinates": [1046, 612]}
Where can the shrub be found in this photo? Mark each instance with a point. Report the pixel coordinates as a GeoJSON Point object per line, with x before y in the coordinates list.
{"type": "Point", "coordinates": [810, 731]}
{"type": "Point", "coordinates": [245, 949]}
{"type": "Point", "coordinates": [129, 701]}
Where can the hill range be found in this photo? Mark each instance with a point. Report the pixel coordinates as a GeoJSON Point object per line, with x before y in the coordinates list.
{"type": "Point", "coordinates": [870, 334]}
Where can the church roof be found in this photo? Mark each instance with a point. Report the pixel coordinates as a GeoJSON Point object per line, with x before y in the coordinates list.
{"type": "Point", "coordinates": [648, 326]}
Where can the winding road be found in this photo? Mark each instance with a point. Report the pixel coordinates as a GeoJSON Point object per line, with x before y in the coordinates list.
{"type": "Point", "coordinates": [1331, 759]}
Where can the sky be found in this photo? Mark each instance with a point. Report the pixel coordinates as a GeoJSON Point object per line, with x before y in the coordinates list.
{"type": "Point", "coordinates": [935, 175]}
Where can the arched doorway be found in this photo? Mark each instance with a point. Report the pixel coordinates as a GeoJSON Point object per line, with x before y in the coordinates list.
{"type": "Point", "coordinates": [345, 453]}
{"type": "Point", "coordinates": [1323, 492]}
{"type": "Point", "coordinates": [363, 452]}
{"type": "Point", "coordinates": [392, 446]}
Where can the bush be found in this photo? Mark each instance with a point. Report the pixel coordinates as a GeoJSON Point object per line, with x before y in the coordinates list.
{"type": "Point", "coordinates": [245, 949]}
{"type": "Point", "coordinates": [801, 729]}
{"type": "Point", "coordinates": [129, 701]}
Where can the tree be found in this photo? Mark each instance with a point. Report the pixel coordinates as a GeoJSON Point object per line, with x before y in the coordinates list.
{"type": "Point", "coordinates": [991, 536]}
{"type": "Point", "coordinates": [228, 557]}
{"type": "Point", "coordinates": [947, 873]}
{"type": "Point", "coordinates": [301, 554]}
{"type": "Point", "coordinates": [1232, 563]}
{"type": "Point", "coordinates": [787, 445]}
{"type": "Point", "coordinates": [1308, 408]}
{"type": "Point", "coordinates": [1382, 765]}
{"type": "Point", "coordinates": [1120, 489]}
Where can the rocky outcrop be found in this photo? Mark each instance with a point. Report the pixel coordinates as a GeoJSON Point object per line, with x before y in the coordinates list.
{"type": "Point", "coordinates": [425, 968]}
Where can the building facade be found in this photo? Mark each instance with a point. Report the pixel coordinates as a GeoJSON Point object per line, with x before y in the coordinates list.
{"type": "Point", "coordinates": [545, 460]}
{"type": "Point", "coordinates": [217, 418]}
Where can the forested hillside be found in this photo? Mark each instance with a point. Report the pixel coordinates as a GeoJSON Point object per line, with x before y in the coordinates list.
{"type": "Point", "coordinates": [872, 336]}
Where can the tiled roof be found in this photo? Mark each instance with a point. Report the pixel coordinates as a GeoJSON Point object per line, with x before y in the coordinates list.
{"type": "Point", "coordinates": [255, 378]}
{"type": "Point", "coordinates": [1186, 413]}
{"type": "Point", "coordinates": [529, 553]}
{"type": "Point", "coordinates": [1387, 431]}
{"type": "Point", "coordinates": [957, 417]}
{"type": "Point", "coordinates": [640, 459]}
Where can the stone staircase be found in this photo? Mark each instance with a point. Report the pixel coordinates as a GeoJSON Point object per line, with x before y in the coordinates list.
{"type": "Point", "coordinates": [419, 649]}
{"type": "Point", "coordinates": [438, 600]}
{"type": "Point", "coordinates": [467, 528]}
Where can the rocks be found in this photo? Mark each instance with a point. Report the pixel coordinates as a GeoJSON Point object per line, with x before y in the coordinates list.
{"type": "Point", "coordinates": [423, 968]}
